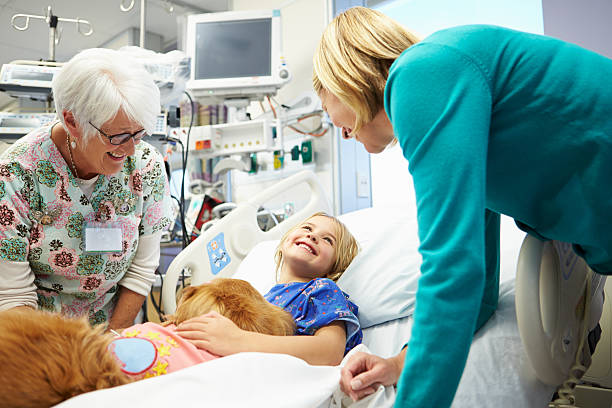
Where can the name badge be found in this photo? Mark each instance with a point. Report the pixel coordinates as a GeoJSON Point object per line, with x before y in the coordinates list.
{"type": "Point", "coordinates": [101, 239]}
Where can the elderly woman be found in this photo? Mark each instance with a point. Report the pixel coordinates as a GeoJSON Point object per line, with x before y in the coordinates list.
{"type": "Point", "coordinates": [83, 201]}
{"type": "Point", "coordinates": [492, 121]}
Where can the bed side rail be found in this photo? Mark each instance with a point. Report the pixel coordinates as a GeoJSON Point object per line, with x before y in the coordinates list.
{"type": "Point", "coordinates": [221, 248]}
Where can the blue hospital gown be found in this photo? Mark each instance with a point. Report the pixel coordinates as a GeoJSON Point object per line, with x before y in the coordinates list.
{"type": "Point", "coordinates": [316, 304]}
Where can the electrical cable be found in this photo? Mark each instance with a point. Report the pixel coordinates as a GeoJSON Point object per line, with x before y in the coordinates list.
{"type": "Point", "coordinates": [272, 107]}
{"type": "Point", "coordinates": [185, 157]}
{"type": "Point", "coordinates": [181, 201]}
{"type": "Point", "coordinates": [307, 133]}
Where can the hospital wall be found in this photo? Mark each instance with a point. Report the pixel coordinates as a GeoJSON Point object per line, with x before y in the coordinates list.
{"type": "Point", "coordinates": [586, 23]}
{"type": "Point", "coordinates": [303, 21]}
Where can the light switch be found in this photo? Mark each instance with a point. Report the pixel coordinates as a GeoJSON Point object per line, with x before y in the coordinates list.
{"type": "Point", "coordinates": [363, 185]}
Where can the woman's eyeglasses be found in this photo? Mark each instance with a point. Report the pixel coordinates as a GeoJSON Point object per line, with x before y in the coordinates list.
{"type": "Point", "coordinates": [121, 138]}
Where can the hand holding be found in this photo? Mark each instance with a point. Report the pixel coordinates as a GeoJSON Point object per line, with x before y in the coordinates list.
{"type": "Point", "coordinates": [364, 373]}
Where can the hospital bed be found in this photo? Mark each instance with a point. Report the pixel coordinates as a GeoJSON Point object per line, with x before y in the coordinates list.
{"type": "Point", "coordinates": [382, 281]}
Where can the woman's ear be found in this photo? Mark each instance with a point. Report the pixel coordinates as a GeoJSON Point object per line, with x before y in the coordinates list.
{"type": "Point", "coordinates": [71, 124]}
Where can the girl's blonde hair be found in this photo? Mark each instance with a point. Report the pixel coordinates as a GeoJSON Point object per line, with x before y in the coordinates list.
{"type": "Point", "coordinates": [353, 58]}
{"type": "Point", "coordinates": [346, 247]}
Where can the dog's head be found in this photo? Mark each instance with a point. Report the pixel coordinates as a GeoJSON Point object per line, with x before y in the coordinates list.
{"type": "Point", "coordinates": [237, 300]}
{"type": "Point", "coordinates": [46, 358]}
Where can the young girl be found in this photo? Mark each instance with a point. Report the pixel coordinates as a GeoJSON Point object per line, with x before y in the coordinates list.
{"type": "Point", "coordinates": [310, 258]}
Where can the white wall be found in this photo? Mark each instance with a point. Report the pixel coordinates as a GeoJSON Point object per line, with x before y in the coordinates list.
{"type": "Point", "coordinates": [303, 22]}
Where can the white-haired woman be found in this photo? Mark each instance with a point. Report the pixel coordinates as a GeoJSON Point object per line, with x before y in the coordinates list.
{"type": "Point", "coordinates": [83, 201]}
{"type": "Point", "coordinates": [492, 121]}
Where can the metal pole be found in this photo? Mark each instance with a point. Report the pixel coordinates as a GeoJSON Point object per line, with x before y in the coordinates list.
{"type": "Point", "coordinates": [52, 34]}
{"type": "Point", "coordinates": [142, 22]}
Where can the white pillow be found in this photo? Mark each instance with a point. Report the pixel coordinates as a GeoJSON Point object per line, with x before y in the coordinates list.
{"type": "Point", "coordinates": [258, 267]}
{"type": "Point", "coordinates": [381, 280]}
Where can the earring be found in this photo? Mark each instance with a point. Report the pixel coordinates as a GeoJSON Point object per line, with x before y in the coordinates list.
{"type": "Point", "coordinates": [73, 144]}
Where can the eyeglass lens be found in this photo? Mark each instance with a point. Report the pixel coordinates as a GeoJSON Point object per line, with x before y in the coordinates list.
{"type": "Point", "coordinates": [124, 137]}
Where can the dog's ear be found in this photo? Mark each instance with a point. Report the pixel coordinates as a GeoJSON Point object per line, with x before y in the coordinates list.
{"type": "Point", "coordinates": [187, 293]}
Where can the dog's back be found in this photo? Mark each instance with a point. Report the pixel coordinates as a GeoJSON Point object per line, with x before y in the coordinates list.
{"type": "Point", "coordinates": [46, 358]}
{"type": "Point", "coordinates": [237, 300]}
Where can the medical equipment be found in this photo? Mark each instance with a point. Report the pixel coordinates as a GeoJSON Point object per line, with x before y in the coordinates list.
{"type": "Point", "coordinates": [236, 54]}
{"type": "Point", "coordinates": [262, 134]}
{"type": "Point", "coordinates": [227, 138]}
{"type": "Point", "coordinates": [31, 79]}
{"type": "Point", "coordinates": [15, 125]}
{"type": "Point", "coordinates": [52, 20]}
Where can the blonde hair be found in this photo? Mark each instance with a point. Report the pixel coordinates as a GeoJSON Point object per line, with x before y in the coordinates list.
{"type": "Point", "coordinates": [346, 247]}
{"type": "Point", "coordinates": [353, 58]}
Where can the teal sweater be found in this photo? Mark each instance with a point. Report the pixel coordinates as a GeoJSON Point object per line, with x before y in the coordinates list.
{"type": "Point", "coordinates": [494, 121]}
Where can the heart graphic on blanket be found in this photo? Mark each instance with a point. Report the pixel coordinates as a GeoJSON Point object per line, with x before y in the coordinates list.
{"type": "Point", "coordinates": [136, 355]}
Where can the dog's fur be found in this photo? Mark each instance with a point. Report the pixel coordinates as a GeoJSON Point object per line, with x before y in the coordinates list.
{"type": "Point", "coordinates": [46, 358]}
{"type": "Point", "coordinates": [237, 300]}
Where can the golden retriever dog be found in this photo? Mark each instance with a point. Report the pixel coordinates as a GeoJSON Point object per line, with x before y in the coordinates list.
{"type": "Point", "coordinates": [237, 300]}
{"type": "Point", "coordinates": [46, 358]}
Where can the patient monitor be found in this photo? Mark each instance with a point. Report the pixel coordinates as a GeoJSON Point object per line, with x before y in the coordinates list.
{"type": "Point", "coordinates": [236, 54]}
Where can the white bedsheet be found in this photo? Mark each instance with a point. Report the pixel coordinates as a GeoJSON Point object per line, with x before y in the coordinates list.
{"type": "Point", "coordinates": [497, 373]}
{"type": "Point", "coordinates": [239, 380]}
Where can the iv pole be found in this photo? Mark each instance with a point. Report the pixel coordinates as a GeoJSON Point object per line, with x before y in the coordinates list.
{"type": "Point", "coordinates": [143, 10]}
{"type": "Point", "coordinates": [52, 20]}
{"type": "Point", "coordinates": [169, 9]}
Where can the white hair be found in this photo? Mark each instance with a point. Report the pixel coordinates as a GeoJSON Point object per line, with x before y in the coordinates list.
{"type": "Point", "coordinates": [96, 83]}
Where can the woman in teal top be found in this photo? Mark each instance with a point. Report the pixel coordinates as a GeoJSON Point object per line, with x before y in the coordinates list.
{"type": "Point", "coordinates": [492, 121]}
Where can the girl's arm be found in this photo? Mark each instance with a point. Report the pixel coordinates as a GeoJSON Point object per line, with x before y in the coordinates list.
{"type": "Point", "coordinates": [219, 335]}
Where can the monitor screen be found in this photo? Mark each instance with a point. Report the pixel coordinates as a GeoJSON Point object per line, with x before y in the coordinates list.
{"type": "Point", "coordinates": [233, 49]}
{"type": "Point", "coordinates": [31, 75]}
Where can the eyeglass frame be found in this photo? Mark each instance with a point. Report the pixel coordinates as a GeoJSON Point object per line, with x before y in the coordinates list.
{"type": "Point", "coordinates": [129, 135]}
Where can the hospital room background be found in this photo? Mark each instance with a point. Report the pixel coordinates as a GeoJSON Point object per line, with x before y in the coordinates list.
{"type": "Point", "coordinates": [220, 154]}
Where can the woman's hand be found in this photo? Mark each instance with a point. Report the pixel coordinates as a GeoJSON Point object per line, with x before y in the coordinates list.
{"type": "Point", "coordinates": [214, 333]}
{"type": "Point", "coordinates": [364, 373]}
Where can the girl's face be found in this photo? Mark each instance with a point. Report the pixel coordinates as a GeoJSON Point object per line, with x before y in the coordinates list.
{"type": "Point", "coordinates": [375, 135]}
{"type": "Point", "coordinates": [309, 251]}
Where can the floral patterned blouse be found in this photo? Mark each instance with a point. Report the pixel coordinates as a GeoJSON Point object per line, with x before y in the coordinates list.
{"type": "Point", "coordinates": [43, 212]}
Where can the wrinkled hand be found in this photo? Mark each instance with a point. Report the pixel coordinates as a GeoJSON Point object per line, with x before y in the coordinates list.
{"type": "Point", "coordinates": [214, 333]}
{"type": "Point", "coordinates": [364, 373]}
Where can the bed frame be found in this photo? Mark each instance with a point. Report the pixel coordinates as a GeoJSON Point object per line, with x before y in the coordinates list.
{"type": "Point", "coordinates": [214, 254]}
{"type": "Point", "coordinates": [554, 293]}
{"type": "Point", "coordinates": [600, 373]}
